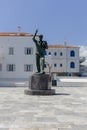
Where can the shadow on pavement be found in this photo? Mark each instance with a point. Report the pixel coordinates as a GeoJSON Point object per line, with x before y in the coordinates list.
{"type": "Point", "coordinates": [67, 94]}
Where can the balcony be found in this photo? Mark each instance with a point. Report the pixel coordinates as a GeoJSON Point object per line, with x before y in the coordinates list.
{"type": "Point", "coordinates": [82, 59]}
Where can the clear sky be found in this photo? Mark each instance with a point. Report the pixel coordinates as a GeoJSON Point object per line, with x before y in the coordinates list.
{"type": "Point", "coordinates": [57, 20]}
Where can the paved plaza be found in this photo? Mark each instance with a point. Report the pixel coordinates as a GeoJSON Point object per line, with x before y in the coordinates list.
{"type": "Point", "coordinates": [66, 110]}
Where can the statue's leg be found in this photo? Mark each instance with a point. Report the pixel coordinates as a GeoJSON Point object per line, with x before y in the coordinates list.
{"type": "Point", "coordinates": [42, 64]}
{"type": "Point", "coordinates": [38, 62]}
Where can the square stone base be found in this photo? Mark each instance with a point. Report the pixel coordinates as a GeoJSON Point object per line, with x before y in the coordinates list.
{"type": "Point", "coordinates": [40, 84]}
{"type": "Point", "coordinates": [40, 92]}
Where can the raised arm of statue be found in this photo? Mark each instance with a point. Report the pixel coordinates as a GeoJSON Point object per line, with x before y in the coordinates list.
{"type": "Point", "coordinates": [35, 35]}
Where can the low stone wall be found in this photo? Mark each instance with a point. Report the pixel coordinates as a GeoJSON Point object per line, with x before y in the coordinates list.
{"type": "Point", "coordinates": [72, 82]}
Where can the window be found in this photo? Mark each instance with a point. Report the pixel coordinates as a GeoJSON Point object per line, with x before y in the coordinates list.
{"type": "Point", "coordinates": [72, 65]}
{"type": "Point", "coordinates": [49, 53]}
{"type": "Point", "coordinates": [0, 67]}
{"type": "Point", "coordinates": [72, 53]}
{"type": "Point", "coordinates": [45, 53]}
{"type": "Point", "coordinates": [28, 51]}
{"type": "Point", "coordinates": [11, 51]}
{"type": "Point", "coordinates": [61, 53]}
{"type": "Point", "coordinates": [45, 66]}
{"type": "Point", "coordinates": [55, 53]}
{"type": "Point", "coordinates": [10, 67]}
{"type": "Point", "coordinates": [61, 65]}
{"type": "Point", "coordinates": [55, 65]}
{"type": "Point", "coordinates": [28, 67]}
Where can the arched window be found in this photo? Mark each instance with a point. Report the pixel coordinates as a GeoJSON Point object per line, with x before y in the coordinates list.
{"type": "Point", "coordinates": [61, 65]}
{"type": "Point", "coordinates": [61, 53]}
{"type": "Point", "coordinates": [72, 65]}
{"type": "Point", "coordinates": [55, 65]}
{"type": "Point", "coordinates": [72, 53]}
{"type": "Point", "coordinates": [49, 53]}
{"type": "Point", "coordinates": [55, 53]}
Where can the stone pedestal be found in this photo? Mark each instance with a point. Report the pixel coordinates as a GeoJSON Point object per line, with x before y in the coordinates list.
{"type": "Point", "coordinates": [40, 84]}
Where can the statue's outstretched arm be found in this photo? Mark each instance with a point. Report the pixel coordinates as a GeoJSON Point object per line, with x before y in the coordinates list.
{"type": "Point", "coordinates": [35, 35]}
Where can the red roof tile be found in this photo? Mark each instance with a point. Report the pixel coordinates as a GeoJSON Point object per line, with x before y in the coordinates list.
{"type": "Point", "coordinates": [28, 34]}
{"type": "Point", "coordinates": [15, 34]}
{"type": "Point", "coordinates": [61, 46]}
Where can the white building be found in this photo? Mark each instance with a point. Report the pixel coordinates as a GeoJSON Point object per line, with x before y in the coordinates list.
{"type": "Point", "coordinates": [17, 59]}
{"type": "Point", "coordinates": [83, 67]}
{"type": "Point", "coordinates": [83, 70]}
{"type": "Point", "coordinates": [65, 59]}
{"type": "Point", "coordinates": [83, 61]}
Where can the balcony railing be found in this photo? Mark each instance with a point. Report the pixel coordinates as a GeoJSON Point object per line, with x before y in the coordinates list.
{"type": "Point", "coordinates": [82, 59]}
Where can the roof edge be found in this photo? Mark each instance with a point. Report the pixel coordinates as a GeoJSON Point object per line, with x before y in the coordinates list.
{"type": "Point", "coordinates": [62, 46]}
{"type": "Point", "coordinates": [15, 34]}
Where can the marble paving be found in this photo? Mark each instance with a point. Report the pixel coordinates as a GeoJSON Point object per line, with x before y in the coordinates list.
{"type": "Point", "coordinates": [66, 110]}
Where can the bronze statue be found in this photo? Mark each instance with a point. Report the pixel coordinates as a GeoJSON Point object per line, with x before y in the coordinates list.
{"type": "Point", "coordinates": [41, 47]}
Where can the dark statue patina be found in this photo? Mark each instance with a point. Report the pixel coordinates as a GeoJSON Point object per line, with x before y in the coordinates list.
{"type": "Point", "coordinates": [40, 82]}
{"type": "Point", "coordinates": [41, 47]}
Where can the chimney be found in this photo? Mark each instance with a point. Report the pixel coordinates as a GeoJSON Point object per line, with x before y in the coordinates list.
{"type": "Point", "coordinates": [19, 30]}
{"type": "Point", "coordinates": [65, 43]}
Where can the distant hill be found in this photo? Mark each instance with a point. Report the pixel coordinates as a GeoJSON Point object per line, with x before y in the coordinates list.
{"type": "Point", "coordinates": [83, 52]}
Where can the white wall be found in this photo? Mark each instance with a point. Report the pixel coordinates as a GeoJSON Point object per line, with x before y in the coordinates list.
{"type": "Point", "coordinates": [65, 59]}
{"type": "Point", "coordinates": [71, 82]}
{"type": "Point", "coordinates": [19, 58]}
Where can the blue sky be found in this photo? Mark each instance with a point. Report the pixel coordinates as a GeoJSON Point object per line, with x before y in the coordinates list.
{"type": "Point", "coordinates": [57, 20]}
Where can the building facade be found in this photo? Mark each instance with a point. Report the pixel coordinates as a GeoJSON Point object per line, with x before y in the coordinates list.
{"type": "Point", "coordinates": [18, 61]}
{"type": "Point", "coordinates": [64, 59]}
{"type": "Point", "coordinates": [83, 67]}
{"type": "Point", "coordinates": [17, 58]}
{"type": "Point", "coordinates": [83, 70]}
